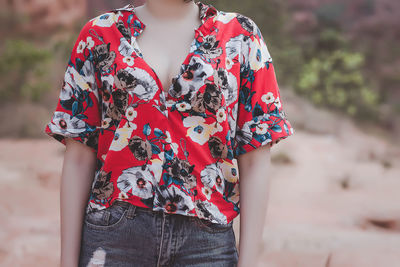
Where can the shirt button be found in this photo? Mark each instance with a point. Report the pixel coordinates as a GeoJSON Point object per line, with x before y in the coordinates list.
{"type": "Point", "coordinates": [163, 107]}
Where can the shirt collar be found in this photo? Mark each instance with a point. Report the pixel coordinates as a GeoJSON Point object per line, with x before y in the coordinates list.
{"type": "Point", "coordinates": [206, 12]}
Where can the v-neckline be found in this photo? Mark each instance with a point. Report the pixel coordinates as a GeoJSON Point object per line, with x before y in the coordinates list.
{"type": "Point", "coordinates": [180, 71]}
{"type": "Point", "coordinates": [165, 94]}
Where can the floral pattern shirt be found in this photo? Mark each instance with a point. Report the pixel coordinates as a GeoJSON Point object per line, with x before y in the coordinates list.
{"type": "Point", "coordinates": [175, 150]}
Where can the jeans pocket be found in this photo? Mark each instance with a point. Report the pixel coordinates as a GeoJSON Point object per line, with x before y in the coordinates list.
{"type": "Point", "coordinates": [110, 218]}
{"type": "Point", "coordinates": [212, 227]}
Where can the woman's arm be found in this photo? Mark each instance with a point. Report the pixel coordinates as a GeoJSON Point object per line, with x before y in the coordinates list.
{"type": "Point", "coordinates": [254, 170]}
{"type": "Point", "coordinates": [77, 176]}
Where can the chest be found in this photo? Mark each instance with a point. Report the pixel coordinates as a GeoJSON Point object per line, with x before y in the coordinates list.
{"type": "Point", "coordinates": [164, 49]}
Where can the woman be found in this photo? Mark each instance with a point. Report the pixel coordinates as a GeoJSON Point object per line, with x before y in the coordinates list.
{"type": "Point", "coordinates": [165, 101]}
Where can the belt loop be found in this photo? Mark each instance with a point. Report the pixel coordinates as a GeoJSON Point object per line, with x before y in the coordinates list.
{"type": "Point", "coordinates": [131, 211]}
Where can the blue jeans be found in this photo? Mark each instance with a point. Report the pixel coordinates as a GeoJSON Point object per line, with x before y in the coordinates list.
{"type": "Point", "coordinates": [128, 235]}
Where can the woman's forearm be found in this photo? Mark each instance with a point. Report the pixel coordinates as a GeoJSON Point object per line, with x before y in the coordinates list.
{"type": "Point", "coordinates": [76, 179]}
{"type": "Point", "coordinates": [254, 187]}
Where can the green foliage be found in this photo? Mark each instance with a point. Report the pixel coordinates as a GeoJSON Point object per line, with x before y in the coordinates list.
{"type": "Point", "coordinates": [334, 79]}
{"type": "Point", "coordinates": [23, 71]}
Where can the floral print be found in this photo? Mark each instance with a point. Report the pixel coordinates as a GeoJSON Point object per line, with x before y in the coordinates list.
{"type": "Point", "coordinates": [175, 149]}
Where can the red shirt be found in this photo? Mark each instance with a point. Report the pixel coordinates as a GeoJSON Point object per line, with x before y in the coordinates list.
{"type": "Point", "coordinates": [172, 151]}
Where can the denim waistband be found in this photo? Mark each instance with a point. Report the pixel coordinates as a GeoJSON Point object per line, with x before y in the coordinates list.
{"type": "Point", "coordinates": [126, 204]}
{"type": "Point", "coordinates": [138, 209]}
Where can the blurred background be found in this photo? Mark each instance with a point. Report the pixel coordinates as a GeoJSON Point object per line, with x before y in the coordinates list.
{"type": "Point", "coordinates": [334, 196]}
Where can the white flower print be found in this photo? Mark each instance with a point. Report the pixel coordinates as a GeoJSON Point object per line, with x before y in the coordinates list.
{"type": "Point", "coordinates": [228, 83]}
{"type": "Point", "coordinates": [233, 46]}
{"type": "Point", "coordinates": [128, 60]}
{"type": "Point", "coordinates": [212, 176]}
{"type": "Point", "coordinates": [262, 128]}
{"type": "Point", "coordinates": [87, 75]}
{"type": "Point", "coordinates": [228, 63]}
{"type": "Point", "coordinates": [208, 210]}
{"type": "Point", "coordinates": [199, 131]}
{"type": "Point", "coordinates": [169, 103]}
{"type": "Point", "coordinates": [225, 17]}
{"type": "Point", "coordinates": [137, 81]}
{"type": "Point", "coordinates": [89, 42]}
{"type": "Point", "coordinates": [230, 170]}
{"type": "Point", "coordinates": [174, 147]}
{"type": "Point", "coordinates": [131, 113]}
{"type": "Point", "coordinates": [74, 80]}
{"type": "Point", "coordinates": [66, 125]}
{"type": "Point", "coordinates": [122, 136]}
{"type": "Point", "coordinates": [183, 106]}
{"type": "Point", "coordinates": [156, 167]}
{"type": "Point", "coordinates": [207, 192]}
{"type": "Point", "coordinates": [173, 200]}
{"type": "Point", "coordinates": [106, 19]}
{"type": "Point", "coordinates": [122, 195]}
{"type": "Point", "coordinates": [168, 139]}
{"type": "Point", "coordinates": [139, 180]}
{"type": "Point", "coordinates": [221, 115]}
{"type": "Point", "coordinates": [81, 46]}
{"type": "Point", "coordinates": [105, 123]}
{"type": "Point", "coordinates": [125, 48]}
{"type": "Point", "coordinates": [277, 103]}
{"type": "Point", "coordinates": [268, 98]}
{"type": "Point", "coordinates": [259, 54]}
{"type": "Point", "coordinates": [67, 91]}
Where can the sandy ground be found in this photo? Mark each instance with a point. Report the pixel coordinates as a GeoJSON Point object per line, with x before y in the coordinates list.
{"type": "Point", "coordinates": [334, 201]}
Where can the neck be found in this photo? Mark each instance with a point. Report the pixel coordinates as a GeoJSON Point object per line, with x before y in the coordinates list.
{"type": "Point", "coordinates": [170, 9]}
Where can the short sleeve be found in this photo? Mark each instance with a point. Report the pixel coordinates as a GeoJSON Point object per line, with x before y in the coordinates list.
{"type": "Point", "coordinates": [261, 119]}
{"type": "Point", "coordinates": [77, 114]}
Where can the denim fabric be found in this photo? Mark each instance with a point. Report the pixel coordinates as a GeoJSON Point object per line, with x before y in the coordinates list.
{"type": "Point", "coordinates": [128, 235]}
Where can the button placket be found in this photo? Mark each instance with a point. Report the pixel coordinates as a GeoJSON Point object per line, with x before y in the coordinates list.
{"type": "Point", "coordinates": [163, 106]}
